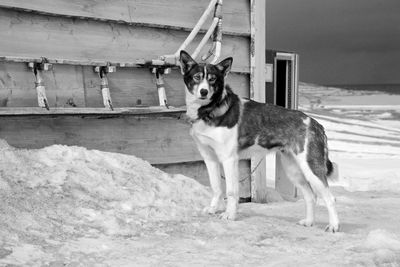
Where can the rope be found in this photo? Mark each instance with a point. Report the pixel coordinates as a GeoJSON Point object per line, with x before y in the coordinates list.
{"type": "Point", "coordinates": [251, 173]}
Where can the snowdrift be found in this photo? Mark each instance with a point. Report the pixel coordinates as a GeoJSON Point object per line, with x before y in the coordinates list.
{"type": "Point", "coordinates": [61, 190]}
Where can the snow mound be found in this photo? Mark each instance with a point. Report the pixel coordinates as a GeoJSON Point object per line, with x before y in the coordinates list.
{"type": "Point", "coordinates": [62, 190]}
{"type": "Point", "coordinates": [385, 246]}
{"type": "Point", "coordinates": [382, 239]}
{"type": "Point", "coordinates": [384, 115]}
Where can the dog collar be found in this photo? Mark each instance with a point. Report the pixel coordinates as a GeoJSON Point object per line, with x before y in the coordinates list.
{"type": "Point", "coordinates": [221, 110]}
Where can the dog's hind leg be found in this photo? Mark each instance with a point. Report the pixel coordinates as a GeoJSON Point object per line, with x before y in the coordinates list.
{"type": "Point", "coordinates": [321, 189]}
{"type": "Point", "coordinates": [295, 174]}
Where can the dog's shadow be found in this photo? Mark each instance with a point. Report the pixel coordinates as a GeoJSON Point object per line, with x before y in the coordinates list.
{"type": "Point", "coordinates": [251, 216]}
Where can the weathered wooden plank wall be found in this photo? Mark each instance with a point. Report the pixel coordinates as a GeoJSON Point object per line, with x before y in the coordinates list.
{"type": "Point", "coordinates": [81, 85]}
{"type": "Point", "coordinates": [181, 14]}
{"type": "Point", "coordinates": [119, 31]}
{"type": "Point", "coordinates": [64, 82]}
{"type": "Point", "coordinates": [61, 33]}
{"type": "Point", "coordinates": [161, 139]}
{"type": "Point", "coordinates": [34, 35]}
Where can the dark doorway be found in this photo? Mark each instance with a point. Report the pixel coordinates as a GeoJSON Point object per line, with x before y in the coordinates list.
{"type": "Point", "coordinates": [281, 82]}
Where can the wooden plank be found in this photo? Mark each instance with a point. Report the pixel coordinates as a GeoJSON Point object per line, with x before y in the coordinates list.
{"type": "Point", "coordinates": [257, 51]}
{"type": "Point", "coordinates": [23, 111]}
{"type": "Point", "coordinates": [127, 86]}
{"type": "Point", "coordinates": [295, 94]}
{"type": "Point", "coordinates": [158, 139]}
{"type": "Point", "coordinates": [257, 91]}
{"type": "Point", "coordinates": [17, 86]}
{"type": "Point", "coordinates": [63, 86]}
{"type": "Point", "coordinates": [198, 171]}
{"type": "Point", "coordinates": [180, 14]}
{"type": "Point", "coordinates": [82, 86]}
{"type": "Point", "coordinates": [131, 86]}
{"type": "Point", "coordinates": [80, 62]}
{"type": "Point", "coordinates": [282, 183]}
{"type": "Point", "coordinates": [35, 36]}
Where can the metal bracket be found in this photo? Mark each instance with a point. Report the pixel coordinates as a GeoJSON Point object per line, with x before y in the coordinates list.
{"type": "Point", "coordinates": [159, 67]}
{"type": "Point", "coordinates": [159, 75]}
{"type": "Point", "coordinates": [105, 90]}
{"type": "Point", "coordinates": [37, 68]}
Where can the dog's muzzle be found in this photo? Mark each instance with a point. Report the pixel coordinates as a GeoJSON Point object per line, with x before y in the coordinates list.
{"type": "Point", "coordinates": [203, 93]}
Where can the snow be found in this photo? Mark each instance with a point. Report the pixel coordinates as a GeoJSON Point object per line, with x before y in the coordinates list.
{"type": "Point", "coordinates": [384, 246]}
{"type": "Point", "coordinates": [69, 206]}
{"type": "Point", "coordinates": [58, 192]}
{"type": "Point", "coordinates": [366, 145]}
{"type": "Point", "coordinates": [381, 239]}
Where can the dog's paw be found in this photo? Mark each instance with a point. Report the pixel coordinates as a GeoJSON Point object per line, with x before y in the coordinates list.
{"type": "Point", "coordinates": [305, 222]}
{"type": "Point", "coordinates": [231, 216]}
{"type": "Point", "coordinates": [332, 228]}
{"type": "Point", "coordinates": [209, 210]}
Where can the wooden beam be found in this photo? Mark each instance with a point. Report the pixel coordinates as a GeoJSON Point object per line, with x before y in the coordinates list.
{"type": "Point", "coordinates": [177, 14]}
{"type": "Point", "coordinates": [198, 171]}
{"type": "Point", "coordinates": [283, 185]}
{"type": "Point", "coordinates": [257, 51]}
{"type": "Point", "coordinates": [33, 36]}
{"type": "Point", "coordinates": [160, 139]}
{"type": "Point", "coordinates": [27, 111]}
{"type": "Point", "coordinates": [257, 91]}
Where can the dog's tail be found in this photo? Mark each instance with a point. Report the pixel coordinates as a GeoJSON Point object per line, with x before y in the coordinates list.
{"type": "Point", "coordinates": [332, 170]}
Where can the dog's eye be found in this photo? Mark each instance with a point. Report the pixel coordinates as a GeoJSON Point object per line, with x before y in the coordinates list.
{"type": "Point", "coordinates": [212, 79]}
{"type": "Point", "coordinates": [197, 77]}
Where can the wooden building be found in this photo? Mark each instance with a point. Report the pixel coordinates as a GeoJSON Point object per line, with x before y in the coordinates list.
{"type": "Point", "coordinates": [76, 36]}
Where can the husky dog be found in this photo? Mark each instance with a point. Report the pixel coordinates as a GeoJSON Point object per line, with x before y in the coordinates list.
{"type": "Point", "coordinates": [226, 127]}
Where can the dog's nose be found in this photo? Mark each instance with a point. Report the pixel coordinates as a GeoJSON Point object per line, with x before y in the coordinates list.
{"type": "Point", "coordinates": [203, 92]}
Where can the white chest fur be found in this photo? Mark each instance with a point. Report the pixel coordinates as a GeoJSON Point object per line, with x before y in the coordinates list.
{"type": "Point", "coordinates": [222, 140]}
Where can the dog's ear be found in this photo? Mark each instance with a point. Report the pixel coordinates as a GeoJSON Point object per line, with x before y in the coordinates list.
{"type": "Point", "coordinates": [225, 65]}
{"type": "Point", "coordinates": [187, 62]}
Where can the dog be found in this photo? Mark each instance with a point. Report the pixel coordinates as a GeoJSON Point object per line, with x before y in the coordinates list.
{"type": "Point", "coordinates": [226, 128]}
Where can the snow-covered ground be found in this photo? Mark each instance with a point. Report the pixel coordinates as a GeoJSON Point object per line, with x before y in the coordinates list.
{"type": "Point", "coordinates": [363, 128]}
{"type": "Point", "coordinates": [69, 206]}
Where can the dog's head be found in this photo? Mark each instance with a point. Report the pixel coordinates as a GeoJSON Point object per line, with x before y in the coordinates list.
{"type": "Point", "coordinates": [204, 82]}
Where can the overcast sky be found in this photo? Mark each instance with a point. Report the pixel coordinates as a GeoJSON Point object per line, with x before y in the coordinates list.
{"type": "Point", "coordinates": [339, 41]}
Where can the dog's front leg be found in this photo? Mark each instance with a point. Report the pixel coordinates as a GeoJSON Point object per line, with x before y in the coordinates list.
{"type": "Point", "coordinates": [231, 169]}
{"type": "Point", "coordinates": [214, 175]}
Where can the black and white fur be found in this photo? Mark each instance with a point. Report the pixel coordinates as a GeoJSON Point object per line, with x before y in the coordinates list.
{"type": "Point", "coordinates": [226, 128]}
